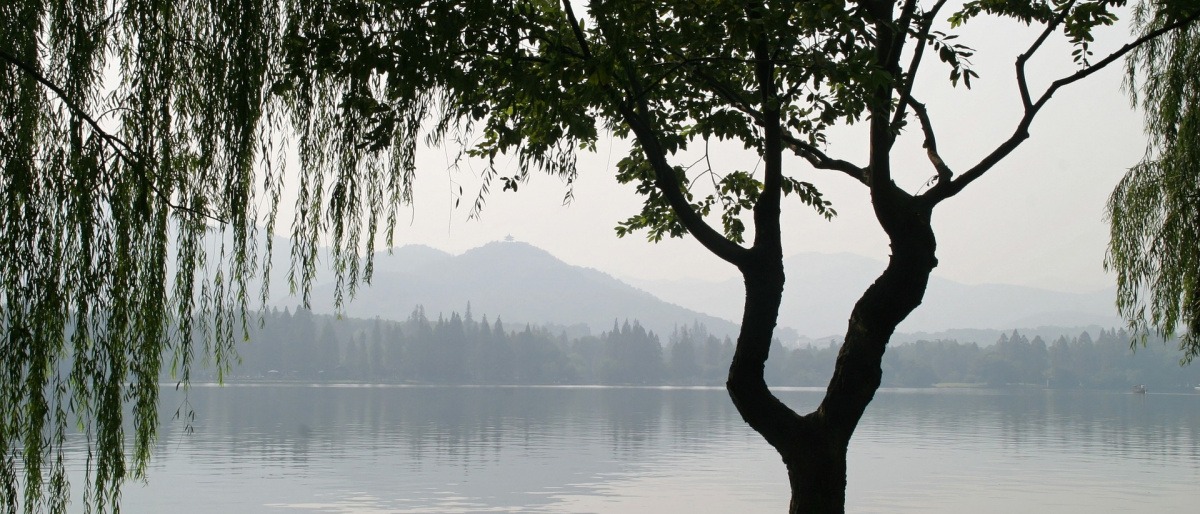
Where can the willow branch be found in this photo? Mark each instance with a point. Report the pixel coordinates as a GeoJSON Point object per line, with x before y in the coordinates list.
{"type": "Point", "coordinates": [118, 145]}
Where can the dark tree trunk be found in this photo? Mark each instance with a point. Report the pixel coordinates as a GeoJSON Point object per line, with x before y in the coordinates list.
{"type": "Point", "coordinates": [814, 446]}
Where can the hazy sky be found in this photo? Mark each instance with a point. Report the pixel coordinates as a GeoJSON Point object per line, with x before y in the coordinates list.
{"type": "Point", "coordinates": [1036, 219]}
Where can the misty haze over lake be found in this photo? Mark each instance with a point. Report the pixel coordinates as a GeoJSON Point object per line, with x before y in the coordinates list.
{"type": "Point", "coordinates": [393, 449]}
{"type": "Point", "coordinates": [523, 283]}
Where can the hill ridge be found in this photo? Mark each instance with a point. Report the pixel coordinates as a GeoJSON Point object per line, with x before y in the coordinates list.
{"type": "Point", "coordinates": [516, 281]}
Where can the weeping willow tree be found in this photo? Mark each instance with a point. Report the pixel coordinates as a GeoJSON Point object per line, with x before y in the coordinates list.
{"type": "Point", "coordinates": [1155, 210]}
{"type": "Point", "coordinates": [143, 145]}
{"type": "Point", "coordinates": [142, 165]}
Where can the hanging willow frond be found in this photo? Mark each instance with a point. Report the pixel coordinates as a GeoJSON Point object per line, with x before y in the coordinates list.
{"type": "Point", "coordinates": [1154, 211]}
{"type": "Point", "coordinates": [142, 159]}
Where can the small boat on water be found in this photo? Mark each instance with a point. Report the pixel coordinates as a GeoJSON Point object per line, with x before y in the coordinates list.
{"type": "Point", "coordinates": [1139, 389]}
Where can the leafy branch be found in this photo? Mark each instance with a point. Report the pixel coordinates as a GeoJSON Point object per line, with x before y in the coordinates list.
{"type": "Point", "coordinates": [122, 149]}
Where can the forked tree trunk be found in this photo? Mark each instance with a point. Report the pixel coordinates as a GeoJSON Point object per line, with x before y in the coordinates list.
{"type": "Point", "coordinates": [814, 446]}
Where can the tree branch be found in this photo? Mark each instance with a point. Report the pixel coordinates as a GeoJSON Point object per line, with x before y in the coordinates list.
{"type": "Point", "coordinates": [944, 173]}
{"type": "Point", "coordinates": [577, 29]}
{"type": "Point", "coordinates": [879, 101]}
{"type": "Point", "coordinates": [664, 180]}
{"type": "Point", "coordinates": [118, 145]}
{"type": "Point", "coordinates": [1022, 84]}
{"type": "Point", "coordinates": [943, 190]}
{"type": "Point", "coordinates": [822, 161]}
{"type": "Point", "coordinates": [915, 63]}
{"type": "Point", "coordinates": [766, 209]}
{"type": "Point", "coordinates": [633, 110]}
{"type": "Point", "coordinates": [809, 152]}
{"type": "Point", "coordinates": [717, 87]}
{"type": "Point", "coordinates": [901, 35]}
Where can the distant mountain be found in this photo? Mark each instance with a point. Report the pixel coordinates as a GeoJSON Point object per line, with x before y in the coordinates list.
{"type": "Point", "coordinates": [514, 281]}
{"type": "Point", "coordinates": [522, 283]}
{"type": "Point", "coordinates": [822, 289]}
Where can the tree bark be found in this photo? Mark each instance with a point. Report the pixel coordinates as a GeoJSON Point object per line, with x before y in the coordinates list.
{"type": "Point", "coordinates": [814, 446]}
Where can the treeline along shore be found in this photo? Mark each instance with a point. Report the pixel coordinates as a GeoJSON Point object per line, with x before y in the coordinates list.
{"type": "Point", "coordinates": [462, 349]}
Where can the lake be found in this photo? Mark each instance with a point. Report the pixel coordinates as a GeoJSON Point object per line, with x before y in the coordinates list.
{"type": "Point", "coordinates": [395, 449]}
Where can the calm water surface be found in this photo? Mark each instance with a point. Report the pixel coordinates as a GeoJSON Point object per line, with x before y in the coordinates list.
{"type": "Point", "coordinates": [369, 450]}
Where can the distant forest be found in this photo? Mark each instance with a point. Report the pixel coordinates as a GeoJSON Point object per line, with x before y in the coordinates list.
{"type": "Point", "coordinates": [459, 349]}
